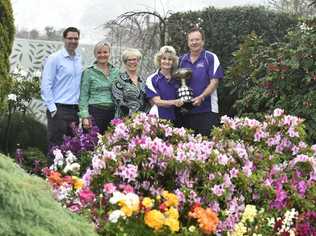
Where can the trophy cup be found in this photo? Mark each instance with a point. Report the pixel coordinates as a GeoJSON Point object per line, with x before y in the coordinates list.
{"type": "Point", "coordinates": [185, 93]}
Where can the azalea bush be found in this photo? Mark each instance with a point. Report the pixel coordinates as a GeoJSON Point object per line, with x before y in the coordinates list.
{"type": "Point", "coordinates": [146, 177]}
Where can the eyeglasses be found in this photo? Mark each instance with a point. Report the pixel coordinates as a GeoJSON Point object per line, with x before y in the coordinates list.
{"type": "Point", "coordinates": [72, 38]}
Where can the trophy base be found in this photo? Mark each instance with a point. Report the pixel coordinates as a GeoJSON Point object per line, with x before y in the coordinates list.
{"type": "Point", "coordinates": [186, 107]}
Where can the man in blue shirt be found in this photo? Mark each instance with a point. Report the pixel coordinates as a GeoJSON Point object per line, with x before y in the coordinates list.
{"type": "Point", "coordinates": [60, 88]}
{"type": "Point", "coordinates": [206, 73]}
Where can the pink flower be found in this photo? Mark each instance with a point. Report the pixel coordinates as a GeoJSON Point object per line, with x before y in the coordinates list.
{"type": "Point", "coordinates": [126, 188]}
{"type": "Point", "coordinates": [278, 112]}
{"type": "Point", "coordinates": [218, 190]}
{"type": "Point", "coordinates": [116, 121]}
{"type": "Point", "coordinates": [86, 196]}
{"type": "Point", "coordinates": [75, 207]}
{"type": "Point", "coordinates": [109, 188]}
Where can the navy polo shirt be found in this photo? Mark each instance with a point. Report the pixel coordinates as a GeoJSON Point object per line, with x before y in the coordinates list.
{"type": "Point", "coordinates": [158, 85]}
{"type": "Point", "coordinates": [205, 68]}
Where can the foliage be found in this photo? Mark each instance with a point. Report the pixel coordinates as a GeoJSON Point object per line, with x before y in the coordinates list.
{"type": "Point", "coordinates": [146, 176]}
{"type": "Point", "coordinates": [300, 8]}
{"type": "Point", "coordinates": [27, 206]}
{"type": "Point", "coordinates": [282, 75]}
{"type": "Point", "coordinates": [32, 160]}
{"type": "Point", "coordinates": [7, 30]}
{"type": "Point", "coordinates": [226, 28]}
{"type": "Point", "coordinates": [24, 132]}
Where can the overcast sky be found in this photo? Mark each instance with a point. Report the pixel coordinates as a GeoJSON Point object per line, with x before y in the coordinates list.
{"type": "Point", "coordinates": [88, 15]}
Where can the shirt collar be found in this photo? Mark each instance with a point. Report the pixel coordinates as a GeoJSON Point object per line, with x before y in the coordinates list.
{"type": "Point", "coordinates": [188, 58]}
{"type": "Point", "coordinates": [66, 54]}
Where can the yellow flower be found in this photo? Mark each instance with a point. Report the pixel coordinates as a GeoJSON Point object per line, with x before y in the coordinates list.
{"type": "Point", "coordinates": [148, 202]}
{"type": "Point", "coordinates": [78, 183]}
{"type": "Point", "coordinates": [173, 224]}
{"type": "Point", "coordinates": [171, 199]}
{"type": "Point", "coordinates": [154, 219]}
{"type": "Point", "coordinates": [239, 230]}
{"type": "Point", "coordinates": [172, 213]}
{"type": "Point", "coordinates": [127, 211]}
{"type": "Point", "coordinates": [249, 214]}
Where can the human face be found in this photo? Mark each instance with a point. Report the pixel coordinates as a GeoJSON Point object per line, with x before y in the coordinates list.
{"type": "Point", "coordinates": [103, 55]}
{"type": "Point", "coordinates": [71, 41]}
{"type": "Point", "coordinates": [195, 42]}
{"type": "Point", "coordinates": [166, 62]}
{"type": "Point", "coordinates": [132, 63]}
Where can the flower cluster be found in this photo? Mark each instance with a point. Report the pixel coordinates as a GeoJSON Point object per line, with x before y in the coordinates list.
{"type": "Point", "coordinates": [145, 176]}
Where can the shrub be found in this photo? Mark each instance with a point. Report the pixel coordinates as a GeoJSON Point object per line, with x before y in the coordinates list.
{"type": "Point", "coordinates": [24, 132]}
{"type": "Point", "coordinates": [265, 76]}
{"type": "Point", "coordinates": [7, 32]}
{"type": "Point", "coordinates": [27, 207]}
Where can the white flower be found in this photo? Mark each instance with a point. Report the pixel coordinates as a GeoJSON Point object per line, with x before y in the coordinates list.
{"type": "Point", "coordinates": [12, 97]}
{"type": "Point", "coordinates": [37, 73]}
{"type": "Point", "coordinates": [117, 196]}
{"type": "Point", "coordinates": [115, 215]}
{"type": "Point", "coordinates": [71, 167]}
{"type": "Point", "coordinates": [70, 157]}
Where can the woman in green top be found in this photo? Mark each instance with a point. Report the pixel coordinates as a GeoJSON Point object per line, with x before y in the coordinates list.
{"type": "Point", "coordinates": [95, 101]}
{"type": "Point", "coordinates": [129, 88]}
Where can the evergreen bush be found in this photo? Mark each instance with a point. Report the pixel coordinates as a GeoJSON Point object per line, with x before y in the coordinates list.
{"type": "Point", "coordinates": [28, 208]}
{"type": "Point", "coordinates": [7, 31]}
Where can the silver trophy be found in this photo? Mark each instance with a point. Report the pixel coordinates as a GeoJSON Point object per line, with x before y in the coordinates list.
{"type": "Point", "coordinates": [185, 93]}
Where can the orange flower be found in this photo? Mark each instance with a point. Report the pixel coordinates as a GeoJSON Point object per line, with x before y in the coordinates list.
{"type": "Point", "coordinates": [206, 218]}
{"type": "Point", "coordinates": [55, 178]}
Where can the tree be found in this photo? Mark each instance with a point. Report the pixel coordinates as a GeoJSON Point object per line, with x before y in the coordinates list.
{"type": "Point", "coordinates": [139, 29]}
{"type": "Point", "coordinates": [34, 34]}
{"type": "Point", "coordinates": [7, 31]}
{"type": "Point", "coordinates": [294, 7]}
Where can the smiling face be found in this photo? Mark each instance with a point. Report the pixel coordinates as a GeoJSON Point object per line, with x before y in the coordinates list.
{"type": "Point", "coordinates": [166, 61]}
{"type": "Point", "coordinates": [103, 54]}
{"type": "Point", "coordinates": [195, 42]}
{"type": "Point", "coordinates": [71, 41]}
{"type": "Point", "coordinates": [132, 63]}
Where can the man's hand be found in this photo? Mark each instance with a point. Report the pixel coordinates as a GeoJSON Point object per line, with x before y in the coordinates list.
{"type": "Point", "coordinates": [197, 101]}
{"type": "Point", "coordinates": [53, 113]}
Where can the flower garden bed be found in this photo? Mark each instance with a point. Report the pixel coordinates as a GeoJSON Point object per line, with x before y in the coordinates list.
{"type": "Point", "coordinates": [145, 177]}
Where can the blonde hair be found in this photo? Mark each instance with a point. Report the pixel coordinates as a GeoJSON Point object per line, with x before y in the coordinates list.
{"type": "Point", "coordinates": [100, 45]}
{"type": "Point", "coordinates": [169, 50]}
{"type": "Point", "coordinates": [131, 52]}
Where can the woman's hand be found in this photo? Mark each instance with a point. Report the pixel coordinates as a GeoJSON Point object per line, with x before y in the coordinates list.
{"type": "Point", "coordinates": [86, 123]}
{"type": "Point", "coordinates": [178, 102]}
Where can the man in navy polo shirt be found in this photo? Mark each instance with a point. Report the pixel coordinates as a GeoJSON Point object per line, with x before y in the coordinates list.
{"type": "Point", "coordinates": [206, 73]}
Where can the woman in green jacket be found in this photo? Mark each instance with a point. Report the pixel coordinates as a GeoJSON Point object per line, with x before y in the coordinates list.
{"type": "Point", "coordinates": [95, 101]}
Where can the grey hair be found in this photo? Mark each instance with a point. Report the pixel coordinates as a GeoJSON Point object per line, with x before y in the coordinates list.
{"type": "Point", "coordinates": [131, 52]}
{"type": "Point", "coordinates": [101, 44]}
{"type": "Point", "coordinates": [167, 50]}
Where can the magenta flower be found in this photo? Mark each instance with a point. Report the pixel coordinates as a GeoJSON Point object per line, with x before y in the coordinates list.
{"type": "Point", "coordinates": [86, 196]}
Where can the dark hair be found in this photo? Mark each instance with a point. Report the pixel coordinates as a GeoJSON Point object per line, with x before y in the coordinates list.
{"type": "Point", "coordinates": [70, 29]}
{"type": "Point", "coordinates": [196, 29]}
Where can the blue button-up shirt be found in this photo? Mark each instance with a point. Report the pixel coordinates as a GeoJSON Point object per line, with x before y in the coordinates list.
{"type": "Point", "coordinates": [61, 79]}
{"type": "Point", "coordinates": [205, 68]}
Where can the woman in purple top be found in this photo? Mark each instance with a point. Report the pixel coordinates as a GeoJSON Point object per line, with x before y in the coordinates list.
{"type": "Point", "coordinates": [161, 87]}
